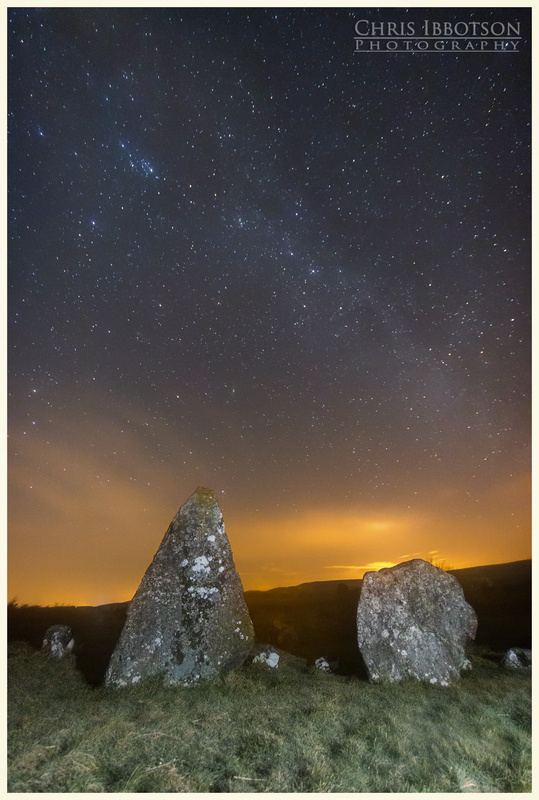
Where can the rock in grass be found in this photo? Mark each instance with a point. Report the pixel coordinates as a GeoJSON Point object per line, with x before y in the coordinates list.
{"type": "Point", "coordinates": [188, 619]}
{"type": "Point", "coordinates": [58, 641]}
{"type": "Point", "coordinates": [267, 657]}
{"type": "Point", "coordinates": [517, 658]}
{"type": "Point", "coordinates": [322, 664]}
{"type": "Point", "coordinates": [413, 622]}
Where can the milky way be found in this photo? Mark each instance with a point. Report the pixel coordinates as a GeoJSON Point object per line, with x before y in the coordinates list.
{"type": "Point", "coordinates": [244, 256]}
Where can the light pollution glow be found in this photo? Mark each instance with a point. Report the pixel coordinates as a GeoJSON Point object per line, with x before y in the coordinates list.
{"type": "Point", "coordinates": [83, 529]}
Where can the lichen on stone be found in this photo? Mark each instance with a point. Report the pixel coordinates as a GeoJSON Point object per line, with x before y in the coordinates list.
{"type": "Point", "coordinates": [190, 600]}
{"type": "Point", "coordinates": [413, 621]}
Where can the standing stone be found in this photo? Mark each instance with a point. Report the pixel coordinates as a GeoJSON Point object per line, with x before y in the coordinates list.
{"type": "Point", "coordinates": [58, 641]}
{"type": "Point", "coordinates": [413, 621]}
{"type": "Point", "coordinates": [188, 619]}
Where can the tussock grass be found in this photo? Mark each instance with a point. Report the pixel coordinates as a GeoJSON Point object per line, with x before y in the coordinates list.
{"type": "Point", "coordinates": [287, 730]}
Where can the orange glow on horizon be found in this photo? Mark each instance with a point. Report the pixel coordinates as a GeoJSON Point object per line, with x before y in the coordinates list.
{"type": "Point", "coordinates": [84, 534]}
{"type": "Point", "coordinates": [288, 567]}
{"type": "Point", "coordinates": [338, 573]}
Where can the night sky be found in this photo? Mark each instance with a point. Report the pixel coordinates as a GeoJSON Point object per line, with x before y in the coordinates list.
{"type": "Point", "coordinates": [242, 256]}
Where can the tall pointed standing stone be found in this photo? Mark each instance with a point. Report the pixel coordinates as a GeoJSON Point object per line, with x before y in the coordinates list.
{"type": "Point", "coordinates": [188, 619]}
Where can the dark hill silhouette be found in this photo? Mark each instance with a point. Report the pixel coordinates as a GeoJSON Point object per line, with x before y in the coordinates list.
{"type": "Point", "coordinates": [501, 595]}
{"type": "Point", "coordinates": [310, 620]}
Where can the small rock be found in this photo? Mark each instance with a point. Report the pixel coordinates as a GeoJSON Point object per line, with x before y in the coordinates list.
{"type": "Point", "coordinates": [58, 641]}
{"type": "Point", "coordinates": [267, 657]}
{"type": "Point", "coordinates": [322, 664]}
{"type": "Point", "coordinates": [517, 658]}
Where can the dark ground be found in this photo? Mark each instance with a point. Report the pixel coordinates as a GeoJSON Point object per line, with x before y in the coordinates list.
{"type": "Point", "coordinates": [310, 620]}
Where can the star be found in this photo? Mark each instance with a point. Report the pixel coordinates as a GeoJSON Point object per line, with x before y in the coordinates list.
{"type": "Point", "coordinates": [290, 271]}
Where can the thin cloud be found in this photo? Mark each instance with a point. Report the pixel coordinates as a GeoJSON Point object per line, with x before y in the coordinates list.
{"type": "Point", "coordinates": [375, 566]}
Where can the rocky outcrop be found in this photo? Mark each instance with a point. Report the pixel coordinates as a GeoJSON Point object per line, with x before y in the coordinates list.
{"type": "Point", "coordinates": [188, 619]}
{"type": "Point", "coordinates": [58, 641]}
{"type": "Point", "coordinates": [413, 622]}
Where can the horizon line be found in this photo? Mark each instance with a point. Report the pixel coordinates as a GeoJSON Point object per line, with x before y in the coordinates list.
{"type": "Point", "coordinates": [18, 604]}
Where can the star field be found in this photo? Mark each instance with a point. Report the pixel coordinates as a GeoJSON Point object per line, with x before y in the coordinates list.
{"type": "Point", "coordinates": [242, 255]}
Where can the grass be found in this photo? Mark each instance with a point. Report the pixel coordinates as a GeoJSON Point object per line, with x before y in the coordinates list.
{"type": "Point", "coordinates": [293, 729]}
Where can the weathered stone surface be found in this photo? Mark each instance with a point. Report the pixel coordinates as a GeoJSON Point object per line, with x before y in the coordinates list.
{"type": "Point", "coordinates": [188, 619]}
{"type": "Point", "coordinates": [58, 641]}
{"type": "Point", "coordinates": [413, 621]}
{"type": "Point", "coordinates": [267, 657]}
{"type": "Point", "coordinates": [517, 658]}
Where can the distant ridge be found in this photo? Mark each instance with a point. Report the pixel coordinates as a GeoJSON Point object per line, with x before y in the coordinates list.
{"type": "Point", "coordinates": [355, 582]}
{"type": "Point", "coordinates": [520, 569]}
{"type": "Point", "coordinates": [516, 564]}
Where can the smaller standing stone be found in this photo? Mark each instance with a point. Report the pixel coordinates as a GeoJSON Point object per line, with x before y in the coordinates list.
{"type": "Point", "coordinates": [413, 622]}
{"type": "Point", "coordinates": [58, 641]}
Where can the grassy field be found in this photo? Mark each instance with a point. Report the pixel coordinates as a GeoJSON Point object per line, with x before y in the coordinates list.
{"type": "Point", "coordinates": [293, 729]}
